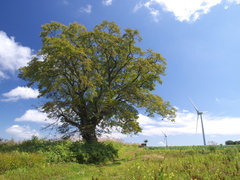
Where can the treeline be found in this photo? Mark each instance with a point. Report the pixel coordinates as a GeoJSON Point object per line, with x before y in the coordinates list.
{"type": "Point", "coordinates": [230, 142]}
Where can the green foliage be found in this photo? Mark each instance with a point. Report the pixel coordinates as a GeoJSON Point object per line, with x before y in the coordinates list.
{"type": "Point", "coordinates": [95, 152]}
{"type": "Point", "coordinates": [212, 148]}
{"type": "Point", "coordinates": [14, 160]}
{"type": "Point", "coordinates": [96, 78]}
{"type": "Point", "coordinates": [229, 142]}
{"type": "Point", "coordinates": [188, 162]}
{"type": "Point", "coordinates": [59, 151]}
{"type": "Point", "coordinates": [68, 151]}
{"type": "Point", "coordinates": [232, 153]}
{"type": "Point", "coordinates": [221, 147]}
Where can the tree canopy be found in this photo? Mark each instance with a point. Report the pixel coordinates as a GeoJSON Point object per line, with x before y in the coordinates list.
{"type": "Point", "coordinates": [95, 81]}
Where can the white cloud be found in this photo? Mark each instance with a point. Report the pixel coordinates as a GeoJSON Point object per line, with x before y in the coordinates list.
{"type": "Point", "coordinates": [107, 2]}
{"type": "Point", "coordinates": [87, 9]}
{"type": "Point", "coordinates": [3, 76]}
{"type": "Point", "coordinates": [185, 123]}
{"type": "Point", "coordinates": [184, 10]}
{"type": "Point", "coordinates": [35, 116]}
{"type": "Point", "coordinates": [137, 7]}
{"type": "Point", "coordinates": [161, 144]}
{"type": "Point", "coordinates": [153, 11]}
{"type": "Point", "coordinates": [228, 2]}
{"type": "Point", "coordinates": [188, 10]}
{"type": "Point", "coordinates": [20, 93]}
{"type": "Point", "coordinates": [114, 135]}
{"type": "Point", "coordinates": [22, 131]}
{"type": "Point", "coordinates": [234, 1]}
{"type": "Point", "coordinates": [144, 120]}
{"type": "Point", "coordinates": [12, 55]}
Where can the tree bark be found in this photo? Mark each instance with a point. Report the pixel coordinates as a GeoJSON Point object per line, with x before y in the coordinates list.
{"type": "Point", "coordinates": [89, 134]}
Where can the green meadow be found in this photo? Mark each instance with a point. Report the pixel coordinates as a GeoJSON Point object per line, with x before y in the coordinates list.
{"type": "Point", "coordinates": [43, 159]}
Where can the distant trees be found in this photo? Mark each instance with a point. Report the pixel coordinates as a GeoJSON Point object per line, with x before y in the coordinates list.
{"type": "Point", "coordinates": [230, 142]}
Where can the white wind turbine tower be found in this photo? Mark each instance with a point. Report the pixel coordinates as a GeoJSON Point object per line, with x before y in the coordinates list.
{"type": "Point", "coordinates": [165, 138]}
{"type": "Point", "coordinates": [199, 113]}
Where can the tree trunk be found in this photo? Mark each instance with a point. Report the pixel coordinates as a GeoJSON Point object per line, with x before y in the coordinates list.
{"type": "Point", "coordinates": [89, 134]}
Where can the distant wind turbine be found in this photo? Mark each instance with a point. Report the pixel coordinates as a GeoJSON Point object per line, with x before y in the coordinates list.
{"type": "Point", "coordinates": [165, 138]}
{"type": "Point", "coordinates": [199, 113]}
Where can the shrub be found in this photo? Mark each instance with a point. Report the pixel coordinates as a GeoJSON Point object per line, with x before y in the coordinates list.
{"type": "Point", "coordinates": [96, 153]}
{"type": "Point", "coordinates": [66, 150]}
{"type": "Point", "coordinates": [58, 151]}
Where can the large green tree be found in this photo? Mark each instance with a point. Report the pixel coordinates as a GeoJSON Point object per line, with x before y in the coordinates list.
{"type": "Point", "coordinates": [96, 80]}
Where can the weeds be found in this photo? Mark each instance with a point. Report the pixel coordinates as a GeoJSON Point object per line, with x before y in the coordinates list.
{"type": "Point", "coordinates": [113, 160]}
{"type": "Point", "coordinates": [14, 160]}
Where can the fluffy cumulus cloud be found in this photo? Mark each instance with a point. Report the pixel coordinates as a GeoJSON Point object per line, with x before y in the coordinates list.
{"type": "Point", "coordinates": [184, 10]}
{"type": "Point", "coordinates": [12, 55]}
{"type": "Point", "coordinates": [107, 2]}
{"type": "Point", "coordinates": [87, 9]}
{"type": "Point", "coordinates": [34, 115]}
{"type": "Point", "coordinates": [24, 132]}
{"type": "Point", "coordinates": [187, 10]}
{"type": "Point", "coordinates": [20, 93]}
{"type": "Point", "coordinates": [186, 122]}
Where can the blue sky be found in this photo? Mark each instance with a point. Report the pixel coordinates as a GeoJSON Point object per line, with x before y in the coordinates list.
{"type": "Point", "coordinates": [199, 38]}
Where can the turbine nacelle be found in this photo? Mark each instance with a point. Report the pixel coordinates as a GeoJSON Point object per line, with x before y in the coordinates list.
{"type": "Point", "coordinates": [199, 113]}
{"type": "Point", "coordinates": [165, 138]}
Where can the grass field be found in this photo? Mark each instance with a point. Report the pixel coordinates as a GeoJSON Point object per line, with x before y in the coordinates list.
{"type": "Point", "coordinates": [31, 161]}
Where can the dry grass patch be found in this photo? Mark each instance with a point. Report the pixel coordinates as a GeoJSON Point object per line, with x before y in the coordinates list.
{"type": "Point", "coordinates": [155, 157]}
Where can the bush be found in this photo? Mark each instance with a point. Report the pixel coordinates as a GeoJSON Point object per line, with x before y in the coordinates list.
{"type": "Point", "coordinates": [96, 153]}
{"type": "Point", "coordinates": [66, 150]}
{"type": "Point", "coordinates": [59, 151]}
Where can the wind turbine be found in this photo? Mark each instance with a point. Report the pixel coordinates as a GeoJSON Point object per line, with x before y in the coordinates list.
{"type": "Point", "coordinates": [199, 113]}
{"type": "Point", "coordinates": [165, 138]}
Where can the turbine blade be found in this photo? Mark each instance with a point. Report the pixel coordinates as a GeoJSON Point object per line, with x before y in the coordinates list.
{"type": "Point", "coordinates": [195, 107]}
{"type": "Point", "coordinates": [163, 133]}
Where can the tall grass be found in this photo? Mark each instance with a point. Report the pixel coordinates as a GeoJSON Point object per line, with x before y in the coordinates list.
{"type": "Point", "coordinates": [74, 160]}
{"type": "Point", "coordinates": [14, 160]}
